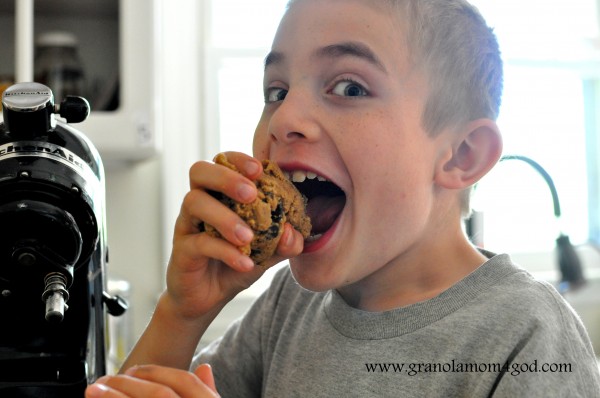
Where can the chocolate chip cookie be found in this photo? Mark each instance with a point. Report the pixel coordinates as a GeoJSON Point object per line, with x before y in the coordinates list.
{"type": "Point", "coordinates": [278, 202]}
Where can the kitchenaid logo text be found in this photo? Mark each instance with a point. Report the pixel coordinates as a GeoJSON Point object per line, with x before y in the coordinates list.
{"type": "Point", "coordinates": [23, 148]}
{"type": "Point", "coordinates": [14, 93]}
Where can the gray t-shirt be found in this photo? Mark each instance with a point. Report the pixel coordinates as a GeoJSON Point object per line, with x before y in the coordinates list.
{"type": "Point", "coordinates": [498, 332]}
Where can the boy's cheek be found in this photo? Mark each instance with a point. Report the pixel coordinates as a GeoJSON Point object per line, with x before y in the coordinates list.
{"type": "Point", "coordinates": [260, 143]}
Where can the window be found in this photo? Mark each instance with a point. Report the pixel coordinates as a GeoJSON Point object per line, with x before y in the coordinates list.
{"type": "Point", "coordinates": [240, 35]}
{"type": "Point", "coordinates": [543, 119]}
{"type": "Point", "coordinates": [549, 61]}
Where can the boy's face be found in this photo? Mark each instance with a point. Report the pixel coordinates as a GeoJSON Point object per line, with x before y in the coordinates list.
{"type": "Point", "coordinates": [343, 102]}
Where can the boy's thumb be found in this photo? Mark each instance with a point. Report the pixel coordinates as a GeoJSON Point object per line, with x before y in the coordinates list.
{"type": "Point", "coordinates": [204, 373]}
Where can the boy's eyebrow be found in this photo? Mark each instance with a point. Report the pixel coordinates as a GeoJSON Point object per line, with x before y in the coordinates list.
{"type": "Point", "coordinates": [351, 48]}
{"type": "Point", "coordinates": [273, 57]}
{"type": "Point", "coordinates": [337, 50]}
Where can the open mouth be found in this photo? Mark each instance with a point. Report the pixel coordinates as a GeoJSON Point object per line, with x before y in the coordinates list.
{"type": "Point", "coordinates": [325, 200]}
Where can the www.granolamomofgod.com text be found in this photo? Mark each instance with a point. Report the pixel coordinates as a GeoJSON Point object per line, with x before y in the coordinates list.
{"type": "Point", "coordinates": [514, 369]}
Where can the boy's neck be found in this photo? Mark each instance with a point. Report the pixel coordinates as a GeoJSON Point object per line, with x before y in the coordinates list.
{"type": "Point", "coordinates": [415, 278]}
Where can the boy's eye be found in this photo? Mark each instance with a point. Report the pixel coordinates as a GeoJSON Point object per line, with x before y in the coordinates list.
{"type": "Point", "coordinates": [275, 94]}
{"type": "Point", "coordinates": [349, 88]}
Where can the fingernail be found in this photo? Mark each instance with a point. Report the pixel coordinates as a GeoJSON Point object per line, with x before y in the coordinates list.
{"type": "Point", "coordinates": [251, 168]}
{"type": "Point", "coordinates": [243, 233]}
{"type": "Point", "coordinates": [289, 237]}
{"type": "Point", "coordinates": [96, 390]}
{"type": "Point", "coordinates": [246, 263]}
{"type": "Point", "coordinates": [245, 192]}
{"type": "Point", "coordinates": [103, 379]}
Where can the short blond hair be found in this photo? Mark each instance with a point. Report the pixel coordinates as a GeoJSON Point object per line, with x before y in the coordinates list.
{"type": "Point", "coordinates": [461, 59]}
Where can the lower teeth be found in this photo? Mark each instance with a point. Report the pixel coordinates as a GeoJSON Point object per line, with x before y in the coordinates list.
{"type": "Point", "coordinates": [313, 238]}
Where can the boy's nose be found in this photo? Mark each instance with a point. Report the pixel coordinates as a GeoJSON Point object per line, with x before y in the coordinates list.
{"type": "Point", "coordinates": [294, 119]}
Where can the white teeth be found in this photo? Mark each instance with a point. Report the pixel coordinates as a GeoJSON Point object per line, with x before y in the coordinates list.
{"type": "Point", "coordinates": [298, 176]}
{"type": "Point", "coordinates": [313, 238]}
{"type": "Point", "coordinates": [301, 176]}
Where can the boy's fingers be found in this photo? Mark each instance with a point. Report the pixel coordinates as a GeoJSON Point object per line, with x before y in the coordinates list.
{"type": "Point", "coordinates": [125, 387]}
{"type": "Point", "coordinates": [98, 390]}
{"type": "Point", "coordinates": [204, 373]}
{"type": "Point", "coordinates": [236, 185]}
{"type": "Point", "coordinates": [199, 205]}
{"type": "Point", "coordinates": [218, 178]}
{"type": "Point", "coordinates": [290, 245]}
{"type": "Point", "coordinates": [247, 165]}
{"type": "Point", "coordinates": [292, 242]}
{"type": "Point", "coordinates": [182, 383]}
{"type": "Point", "coordinates": [215, 248]}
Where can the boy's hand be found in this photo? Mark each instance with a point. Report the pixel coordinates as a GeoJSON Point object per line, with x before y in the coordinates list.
{"type": "Point", "coordinates": [205, 272]}
{"type": "Point", "coordinates": [151, 381]}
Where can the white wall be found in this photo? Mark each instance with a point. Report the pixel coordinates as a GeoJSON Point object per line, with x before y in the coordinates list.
{"type": "Point", "coordinates": [143, 199]}
{"type": "Point", "coordinates": [135, 235]}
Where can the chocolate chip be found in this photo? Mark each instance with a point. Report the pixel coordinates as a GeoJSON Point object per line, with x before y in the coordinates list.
{"type": "Point", "coordinates": [273, 231]}
{"type": "Point", "coordinates": [277, 214]}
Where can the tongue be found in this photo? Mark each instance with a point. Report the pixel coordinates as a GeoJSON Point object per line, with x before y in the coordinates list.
{"type": "Point", "coordinates": [323, 211]}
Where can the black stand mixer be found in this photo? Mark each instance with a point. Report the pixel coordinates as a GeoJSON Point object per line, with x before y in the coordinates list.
{"type": "Point", "coordinates": [53, 251]}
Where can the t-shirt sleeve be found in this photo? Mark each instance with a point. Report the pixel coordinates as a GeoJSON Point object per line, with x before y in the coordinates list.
{"type": "Point", "coordinates": [554, 359]}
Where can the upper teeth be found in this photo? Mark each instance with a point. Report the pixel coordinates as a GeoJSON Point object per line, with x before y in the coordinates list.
{"type": "Point", "coordinates": [301, 176]}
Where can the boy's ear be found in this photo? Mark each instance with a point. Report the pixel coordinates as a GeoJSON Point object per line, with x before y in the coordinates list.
{"type": "Point", "coordinates": [475, 151]}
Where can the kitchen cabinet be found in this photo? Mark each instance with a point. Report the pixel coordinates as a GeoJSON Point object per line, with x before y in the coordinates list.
{"type": "Point", "coordinates": [118, 46]}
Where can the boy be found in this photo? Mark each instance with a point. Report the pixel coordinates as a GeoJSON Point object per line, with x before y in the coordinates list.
{"type": "Point", "coordinates": [390, 105]}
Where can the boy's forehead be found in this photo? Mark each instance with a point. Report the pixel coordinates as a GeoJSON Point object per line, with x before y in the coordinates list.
{"type": "Point", "coordinates": [325, 25]}
{"type": "Point", "coordinates": [382, 5]}
{"type": "Point", "coordinates": [344, 11]}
